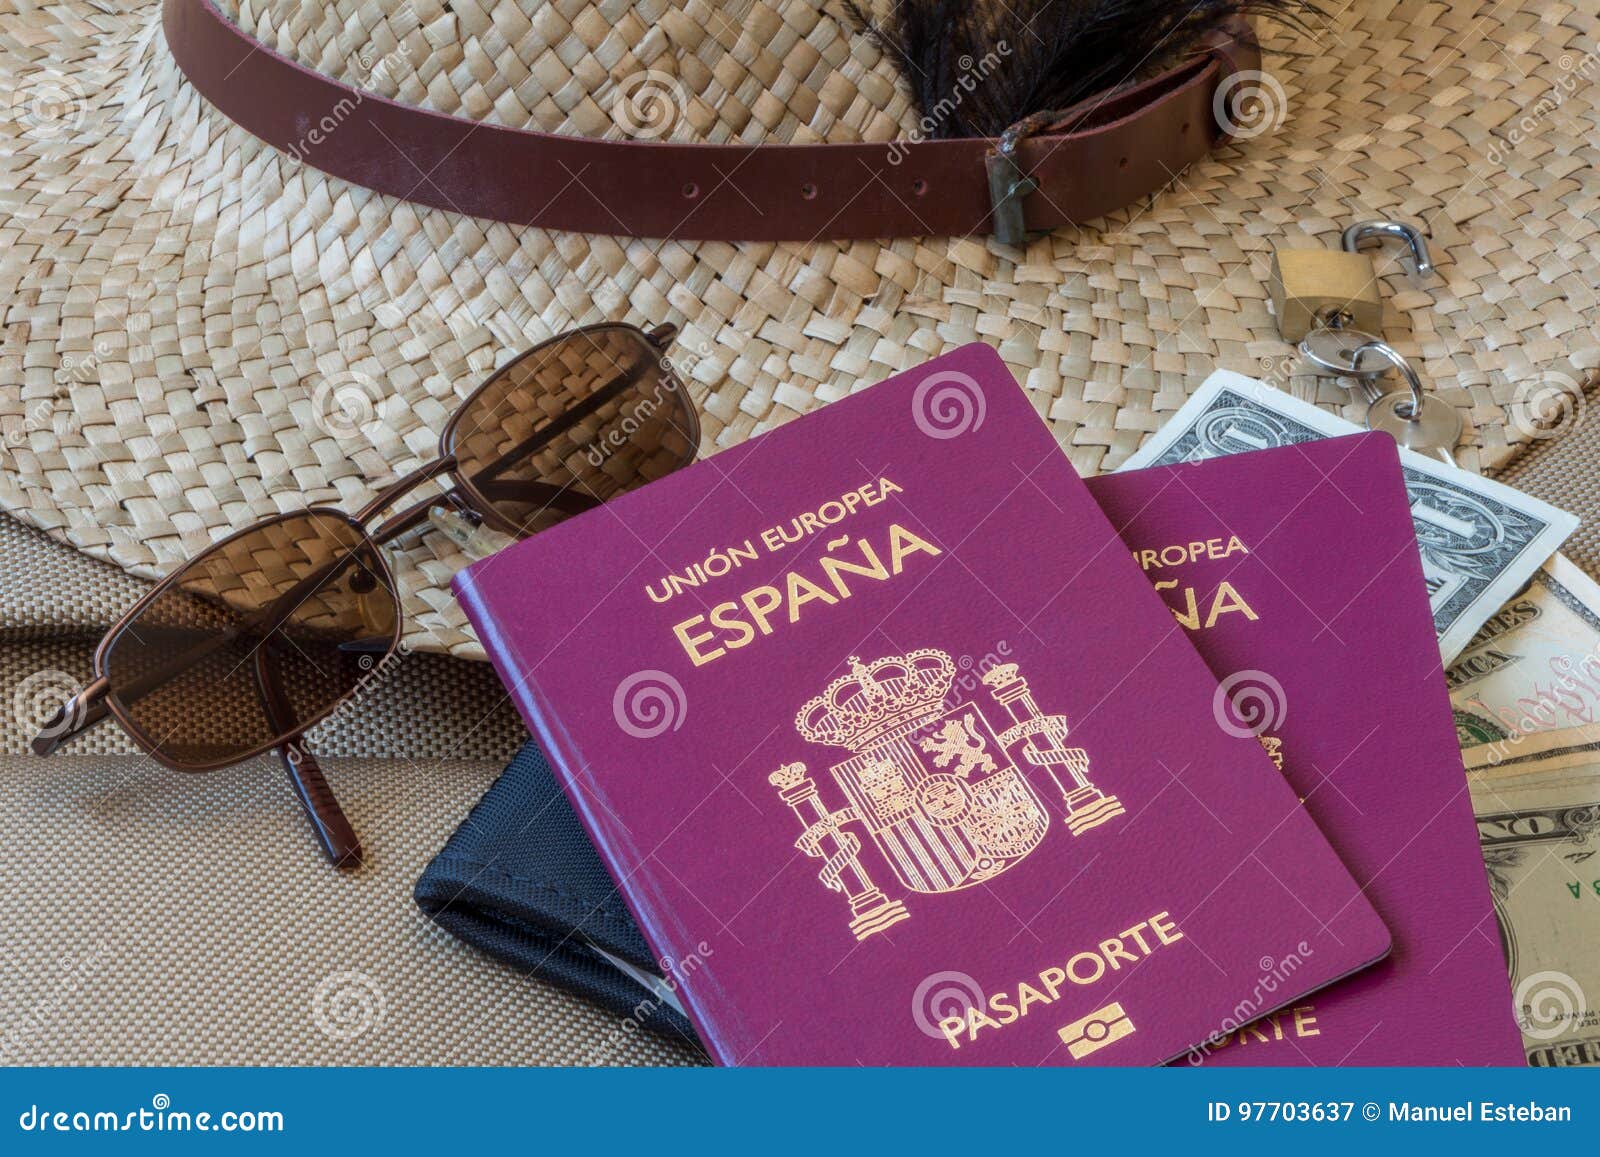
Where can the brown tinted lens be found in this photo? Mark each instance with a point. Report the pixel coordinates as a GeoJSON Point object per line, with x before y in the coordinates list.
{"type": "Point", "coordinates": [570, 425]}
{"type": "Point", "coordinates": [254, 638]}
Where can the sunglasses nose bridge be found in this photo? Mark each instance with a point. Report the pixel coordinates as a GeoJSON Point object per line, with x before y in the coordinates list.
{"type": "Point", "coordinates": [661, 336]}
{"type": "Point", "coordinates": [391, 494]}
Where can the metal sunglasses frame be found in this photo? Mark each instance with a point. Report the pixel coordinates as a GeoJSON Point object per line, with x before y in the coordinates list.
{"type": "Point", "coordinates": [101, 699]}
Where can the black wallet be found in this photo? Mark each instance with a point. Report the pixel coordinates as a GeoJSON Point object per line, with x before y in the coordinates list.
{"type": "Point", "coordinates": [520, 880]}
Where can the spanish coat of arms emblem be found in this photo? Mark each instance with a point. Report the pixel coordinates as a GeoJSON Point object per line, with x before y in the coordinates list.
{"type": "Point", "coordinates": [943, 797]}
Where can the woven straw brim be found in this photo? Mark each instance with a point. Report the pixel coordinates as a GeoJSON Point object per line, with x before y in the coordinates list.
{"type": "Point", "coordinates": [199, 331]}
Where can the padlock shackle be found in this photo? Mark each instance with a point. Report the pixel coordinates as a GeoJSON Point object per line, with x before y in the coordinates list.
{"type": "Point", "coordinates": [1364, 230]}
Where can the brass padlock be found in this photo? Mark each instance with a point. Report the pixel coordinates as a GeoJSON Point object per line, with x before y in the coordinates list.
{"type": "Point", "coordinates": [1313, 288]}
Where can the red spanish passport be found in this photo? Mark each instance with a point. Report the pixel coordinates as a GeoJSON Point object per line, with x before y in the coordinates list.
{"type": "Point", "coordinates": [1296, 574]}
{"type": "Point", "coordinates": [898, 758]}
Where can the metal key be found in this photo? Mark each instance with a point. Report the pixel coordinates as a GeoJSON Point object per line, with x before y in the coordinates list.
{"type": "Point", "coordinates": [1416, 419]}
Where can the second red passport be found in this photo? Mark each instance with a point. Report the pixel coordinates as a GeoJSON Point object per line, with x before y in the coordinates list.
{"type": "Point", "coordinates": [1295, 572]}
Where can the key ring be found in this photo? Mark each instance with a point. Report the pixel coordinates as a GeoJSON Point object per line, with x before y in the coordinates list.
{"type": "Point", "coordinates": [1414, 418]}
{"type": "Point", "coordinates": [1382, 349]}
{"type": "Point", "coordinates": [1333, 348]}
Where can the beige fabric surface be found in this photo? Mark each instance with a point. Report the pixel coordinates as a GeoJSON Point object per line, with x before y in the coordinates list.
{"type": "Point", "coordinates": [47, 589]}
{"type": "Point", "coordinates": [198, 329]}
{"type": "Point", "coordinates": [152, 917]}
{"type": "Point", "coordinates": [1564, 468]}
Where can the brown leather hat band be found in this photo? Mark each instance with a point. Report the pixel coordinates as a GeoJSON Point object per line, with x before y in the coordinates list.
{"type": "Point", "coordinates": [1086, 162]}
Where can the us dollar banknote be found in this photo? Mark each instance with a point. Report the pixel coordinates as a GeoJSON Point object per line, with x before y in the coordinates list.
{"type": "Point", "coordinates": [1541, 846]}
{"type": "Point", "coordinates": [1480, 540]}
{"type": "Point", "coordinates": [1526, 689]}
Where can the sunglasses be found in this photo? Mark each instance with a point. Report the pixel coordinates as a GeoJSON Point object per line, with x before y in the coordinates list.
{"type": "Point", "coordinates": [268, 632]}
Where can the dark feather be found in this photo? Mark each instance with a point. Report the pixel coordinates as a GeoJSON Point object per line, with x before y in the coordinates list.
{"type": "Point", "coordinates": [975, 67]}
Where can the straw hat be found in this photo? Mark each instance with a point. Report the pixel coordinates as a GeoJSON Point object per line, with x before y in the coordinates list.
{"type": "Point", "coordinates": [199, 330]}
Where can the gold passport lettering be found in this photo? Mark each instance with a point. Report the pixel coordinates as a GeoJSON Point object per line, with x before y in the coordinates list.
{"type": "Point", "coordinates": [1094, 1032]}
{"type": "Point", "coordinates": [730, 556]}
{"type": "Point", "coordinates": [1225, 599]}
{"type": "Point", "coordinates": [1295, 1022]}
{"type": "Point", "coordinates": [1107, 958]}
{"type": "Point", "coordinates": [738, 623]}
{"type": "Point", "coordinates": [814, 522]}
{"type": "Point", "coordinates": [1182, 553]}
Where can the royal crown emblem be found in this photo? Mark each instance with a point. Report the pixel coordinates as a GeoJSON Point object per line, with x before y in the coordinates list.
{"type": "Point", "coordinates": [942, 796]}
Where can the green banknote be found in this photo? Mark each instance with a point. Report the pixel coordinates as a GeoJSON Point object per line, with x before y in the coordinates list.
{"type": "Point", "coordinates": [1540, 845]}
{"type": "Point", "coordinates": [1526, 688]}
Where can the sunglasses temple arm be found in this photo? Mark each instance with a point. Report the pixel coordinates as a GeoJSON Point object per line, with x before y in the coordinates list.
{"type": "Point", "coordinates": [529, 491]}
{"type": "Point", "coordinates": [79, 713]}
{"type": "Point", "coordinates": [535, 493]}
{"type": "Point", "coordinates": [334, 833]}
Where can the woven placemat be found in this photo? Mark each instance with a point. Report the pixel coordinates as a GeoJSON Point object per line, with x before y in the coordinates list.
{"type": "Point", "coordinates": [151, 919]}
{"type": "Point", "coordinates": [199, 331]}
{"type": "Point", "coordinates": [47, 589]}
{"type": "Point", "coordinates": [1561, 469]}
